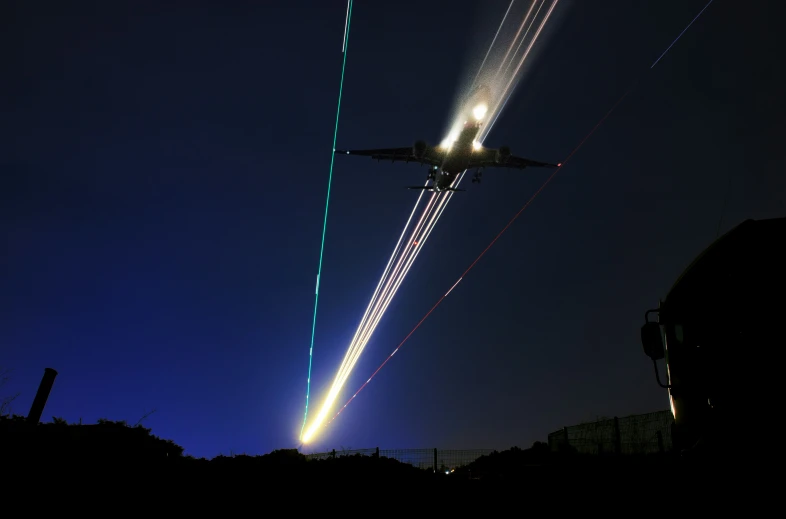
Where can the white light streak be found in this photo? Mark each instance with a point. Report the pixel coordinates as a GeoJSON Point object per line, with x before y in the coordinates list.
{"type": "Point", "coordinates": [411, 241]}
{"type": "Point", "coordinates": [513, 76]}
{"type": "Point", "coordinates": [516, 37]}
{"type": "Point", "coordinates": [403, 257]}
{"type": "Point", "coordinates": [454, 286]}
{"type": "Point", "coordinates": [346, 22]}
{"type": "Point", "coordinates": [524, 38]}
{"type": "Point", "coordinates": [492, 41]}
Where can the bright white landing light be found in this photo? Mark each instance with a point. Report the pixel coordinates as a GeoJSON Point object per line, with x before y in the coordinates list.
{"type": "Point", "coordinates": [479, 111]}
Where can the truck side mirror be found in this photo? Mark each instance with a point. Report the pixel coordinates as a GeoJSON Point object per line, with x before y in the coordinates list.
{"type": "Point", "coordinates": [652, 341]}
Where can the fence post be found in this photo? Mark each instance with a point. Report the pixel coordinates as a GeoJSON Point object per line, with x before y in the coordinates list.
{"type": "Point", "coordinates": [617, 436]}
{"type": "Point", "coordinates": [333, 454]}
{"type": "Point", "coordinates": [435, 460]}
{"type": "Point", "coordinates": [376, 454]}
{"type": "Point", "coordinates": [660, 442]}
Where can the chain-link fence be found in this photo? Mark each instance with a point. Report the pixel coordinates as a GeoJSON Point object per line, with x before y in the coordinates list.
{"type": "Point", "coordinates": [431, 459]}
{"type": "Point", "coordinates": [636, 434]}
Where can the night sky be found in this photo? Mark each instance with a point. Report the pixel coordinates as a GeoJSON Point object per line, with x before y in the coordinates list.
{"type": "Point", "coordinates": [163, 171]}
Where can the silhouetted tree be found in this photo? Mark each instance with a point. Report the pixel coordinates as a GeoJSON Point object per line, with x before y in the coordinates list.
{"type": "Point", "coordinates": [144, 417]}
{"type": "Point", "coordinates": [6, 400]}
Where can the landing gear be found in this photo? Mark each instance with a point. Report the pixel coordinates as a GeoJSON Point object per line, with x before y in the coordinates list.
{"type": "Point", "coordinates": [478, 174]}
{"type": "Point", "coordinates": [432, 172]}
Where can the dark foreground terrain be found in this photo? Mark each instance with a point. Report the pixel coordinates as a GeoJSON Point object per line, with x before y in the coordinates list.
{"type": "Point", "coordinates": [116, 456]}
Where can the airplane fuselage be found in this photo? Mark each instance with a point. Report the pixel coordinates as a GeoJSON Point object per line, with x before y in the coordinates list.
{"type": "Point", "coordinates": [457, 157]}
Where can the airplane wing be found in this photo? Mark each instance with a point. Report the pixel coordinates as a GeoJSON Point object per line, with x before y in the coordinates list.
{"type": "Point", "coordinates": [430, 156]}
{"type": "Point", "coordinates": [487, 158]}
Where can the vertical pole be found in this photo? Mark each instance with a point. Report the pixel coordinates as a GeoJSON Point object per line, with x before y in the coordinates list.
{"type": "Point", "coordinates": [37, 409]}
{"type": "Point", "coordinates": [376, 454]}
{"type": "Point", "coordinates": [435, 460]}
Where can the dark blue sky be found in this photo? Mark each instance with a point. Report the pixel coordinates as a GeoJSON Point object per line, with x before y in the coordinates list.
{"type": "Point", "coordinates": [163, 170]}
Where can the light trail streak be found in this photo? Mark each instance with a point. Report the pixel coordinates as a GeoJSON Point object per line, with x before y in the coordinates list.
{"type": "Point", "coordinates": [480, 69]}
{"type": "Point", "coordinates": [510, 223]}
{"type": "Point", "coordinates": [516, 37]}
{"type": "Point", "coordinates": [324, 223]}
{"type": "Point", "coordinates": [497, 111]}
{"type": "Point", "coordinates": [380, 302]}
{"type": "Point", "coordinates": [346, 26]}
{"type": "Point", "coordinates": [680, 35]}
{"type": "Point", "coordinates": [407, 258]}
{"type": "Point", "coordinates": [412, 252]}
{"type": "Point", "coordinates": [387, 270]}
{"type": "Point", "coordinates": [418, 238]}
{"type": "Point", "coordinates": [451, 288]}
{"type": "Point", "coordinates": [395, 277]}
{"type": "Point", "coordinates": [367, 325]}
{"type": "Point", "coordinates": [524, 38]}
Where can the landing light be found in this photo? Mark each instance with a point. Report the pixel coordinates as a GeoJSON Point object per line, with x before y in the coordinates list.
{"type": "Point", "coordinates": [476, 145]}
{"type": "Point", "coordinates": [449, 140]}
{"type": "Point", "coordinates": [479, 111]}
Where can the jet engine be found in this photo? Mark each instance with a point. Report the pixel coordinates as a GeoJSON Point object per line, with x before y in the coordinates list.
{"type": "Point", "coordinates": [503, 153]}
{"type": "Point", "coordinates": [419, 149]}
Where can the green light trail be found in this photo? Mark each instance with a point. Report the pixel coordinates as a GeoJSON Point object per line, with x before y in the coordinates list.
{"type": "Point", "coordinates": [324, 224]}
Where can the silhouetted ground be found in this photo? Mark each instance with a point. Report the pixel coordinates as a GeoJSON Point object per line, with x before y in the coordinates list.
{"type": "Point", "coordinates": [114, 454]}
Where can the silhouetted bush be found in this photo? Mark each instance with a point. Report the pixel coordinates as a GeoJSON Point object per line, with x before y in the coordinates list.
{"type": "Point", "coordinates": [111, 446]}
{"type": "Point", "coordinates": [106, 442]}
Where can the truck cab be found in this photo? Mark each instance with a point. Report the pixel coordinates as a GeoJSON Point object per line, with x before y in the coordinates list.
{"type": "Point", "coordinates": [720, 331]}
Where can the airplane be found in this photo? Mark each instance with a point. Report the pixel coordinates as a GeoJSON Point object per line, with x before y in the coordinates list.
{"type": "Point", "coordinates": [459, 152]}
